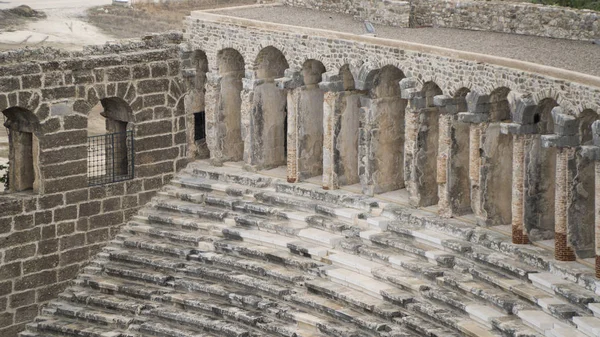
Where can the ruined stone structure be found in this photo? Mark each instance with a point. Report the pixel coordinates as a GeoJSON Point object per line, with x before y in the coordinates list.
{"type": "Point", "coordinates": [498, 16]}
{"type": "Point", "coordinates": [53, 222]}
{"type": "Point", "coordinates": [435, 170]}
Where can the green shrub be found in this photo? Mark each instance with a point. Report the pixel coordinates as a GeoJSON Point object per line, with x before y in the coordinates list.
{"type": "Point", "coordinates": [4, 177]}
{"type": "Point", "coordinates": [582, 4]}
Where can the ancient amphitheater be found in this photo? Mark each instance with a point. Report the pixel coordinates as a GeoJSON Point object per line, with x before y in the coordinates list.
{"type": "Point", "coordinates": [275, 171]}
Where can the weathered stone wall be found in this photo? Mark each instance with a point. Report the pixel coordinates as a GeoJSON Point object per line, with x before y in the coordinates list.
{"type": "Point", "coordinates": [389, 12]}
{"type": "Point", "coordinates": [497, 16]}
{"type": "Point", "coordinates": [46, 237]}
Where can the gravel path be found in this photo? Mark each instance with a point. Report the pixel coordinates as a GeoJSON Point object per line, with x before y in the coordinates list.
{"type": "Point", "coordinates": [578, 56]}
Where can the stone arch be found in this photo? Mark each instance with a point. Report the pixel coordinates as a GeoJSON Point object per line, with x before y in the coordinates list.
{"type": "Point", "coordinates": [312, 72]}
{"type": "Point", "coordinates": [496, 170]}
{"type": "Point", "coordinates": [23, 132]}
{"type": "Point", "coordinates": [541, 175]}
{"type": "Point", "coordinates": [228, 105]}
{"type": "Point", "coordinates": [267, 147]}
{"type": "Point", "coordinates": [270, 63]}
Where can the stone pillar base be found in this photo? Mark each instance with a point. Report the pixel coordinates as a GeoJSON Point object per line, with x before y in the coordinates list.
{"type": "Point", "coordinates": [519, 237]}
{"type": "Point", "coordinates": [562, 251]}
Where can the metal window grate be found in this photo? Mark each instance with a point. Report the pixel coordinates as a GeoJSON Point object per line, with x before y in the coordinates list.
{"type": "Point", "coordinates": [110, 158]}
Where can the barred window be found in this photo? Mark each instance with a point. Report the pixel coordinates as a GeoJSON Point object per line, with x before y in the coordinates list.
{"type": "Point", "coordinates": [110, 158]}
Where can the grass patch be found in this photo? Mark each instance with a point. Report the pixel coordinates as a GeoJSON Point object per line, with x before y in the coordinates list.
{"type": "Point", "coordinates": [11, 19]}
{"type": "Point", "coordinates": [126, 22]}
{"type": "Point", "coordinates": [580, 4]}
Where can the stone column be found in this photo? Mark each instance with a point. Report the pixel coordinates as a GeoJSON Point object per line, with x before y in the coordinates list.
{"type": "Point", "coordinates": [215, 140]}
{"type": "Point", "coordinates": [519, 235]}
{"type": "Point", "coordinates": [412, 172]}
{"type": "Point", "coordinates": [332, 111]}
{"type": "Point", "coordinates": [565, 140]}
{"type": "Point", "coordinates": [476, 117]}
{"type": "Point", "coordinates": [453, 157]}
{"type": "Point", "coordinates": [521, 129]}
{"type": "Point", "coordinates": [562, 250]}
{"type": "Point", "coordinates": [292, 83]}
{"type": "Point", "coordinates": [247, 107]}
{"type": "Point", "coordinates": [592, 152]}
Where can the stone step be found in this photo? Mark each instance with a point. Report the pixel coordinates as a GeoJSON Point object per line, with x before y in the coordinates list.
{"type": "Point", "coordinates": [251, 266]}
{"type": "Point", "coordinates": [589, 326]}
{"type": "Point", "coordinates": [117, 302]}
{"type": "Point", "coordinates": [70, 327]}
{"type": "Point", "coordinates": [87, 314]}
{"type": "Point", "coordinates": [180, 221]}
{"type": "Point", "coordinates": [192, 239]}
{"type": "Point", "coordinates": [166, 330]}
{"type": "Point", "coordinates": [268, 254]}
{"type": "Point", "coordinates": [228, 175]}
{"type": "Point", "coordinates": [179, 206]}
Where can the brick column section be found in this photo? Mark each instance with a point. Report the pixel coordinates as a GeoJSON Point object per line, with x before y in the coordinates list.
{"type": "Point", "coordinates": [475, 131]}
{"type": "Point", "coordinates": [562, 251]}
{"type": "Point", "coordinates": [330, 181]}
{"type": "Point", "coordinates": [292, 134]}
{"type": "Point", "coordinates": [519, 236]}
{"type": "Point", "coordinates": [444, 148]}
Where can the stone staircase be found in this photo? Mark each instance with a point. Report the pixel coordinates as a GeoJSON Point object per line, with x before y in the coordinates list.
{"type": "Point", "coordinates": [224, 252]}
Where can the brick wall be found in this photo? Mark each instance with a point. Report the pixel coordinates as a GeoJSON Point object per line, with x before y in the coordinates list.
{"type": "Point", "coordinates": [45, 238]}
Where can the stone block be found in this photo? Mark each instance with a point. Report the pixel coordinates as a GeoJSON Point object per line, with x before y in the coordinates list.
{"type": "Point", "coordinates": [477, 103]}
{"type": "Point", "coordinates": [22, 299]}
{"type": "Point", "coordinates": [111, 204]}
{"type": "Point", "coordinates": [65, 184]}
{"type": "Point", "coordinates": [473, 118]}
{"type": "Point", "coordinates": [26, 314]}
{"type": "Point", "coordinates": [564, 125]}
{"type": "Point", "coordinates": [154, 128]}
{"type": "Point", "coordinates": [8, 84]}
{"type": "Point", "coordinates": [64, 170]}
{"type": "Point", "coordinates": [48, 246]}
{"type": "Point", "coordinates": [20, 252]}
{"type": "Point", "coordinates": [118, 74]}
{"type": "Point", "coordinates": [61, 139]}
{"type": "Point", "coordinates": [560, 141]}
{"type": "Point", "coordinates": [75, 197]}
{"type": "Point", "coordinates": [19, 238]}
{"type": "Point", "coordinates": [152, 86]}
{"type": "Point", "coordinates": [36, 280]}
{"type": "Point", "coordinates": [59, 93]}
{"type": "Point", "coordinates": [31, 81]}
{"type": "Point", "coordinates": [39, 264]}
{"type": "Point", "coordinates": [525, 111]}
{"type": "Point", "coordinates": [518, 129]}
{"type": "Point", "coordinates": [159, 69]}
{"type": "Point", "coordinates": [24, 221]}
{"type": "Point", "coordinates": [106, 220]}
{"type": "Point", "coordinates": [51, 201]}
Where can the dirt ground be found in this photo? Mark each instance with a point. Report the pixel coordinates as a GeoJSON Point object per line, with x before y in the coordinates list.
{"type": "Point", "coordinates": [124, 22]}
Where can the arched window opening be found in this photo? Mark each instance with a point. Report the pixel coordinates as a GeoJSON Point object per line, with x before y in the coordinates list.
{"type": "Point", "coordinates": [23, 150]}
{"type": "Point", "coordinates": [110, 142]}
